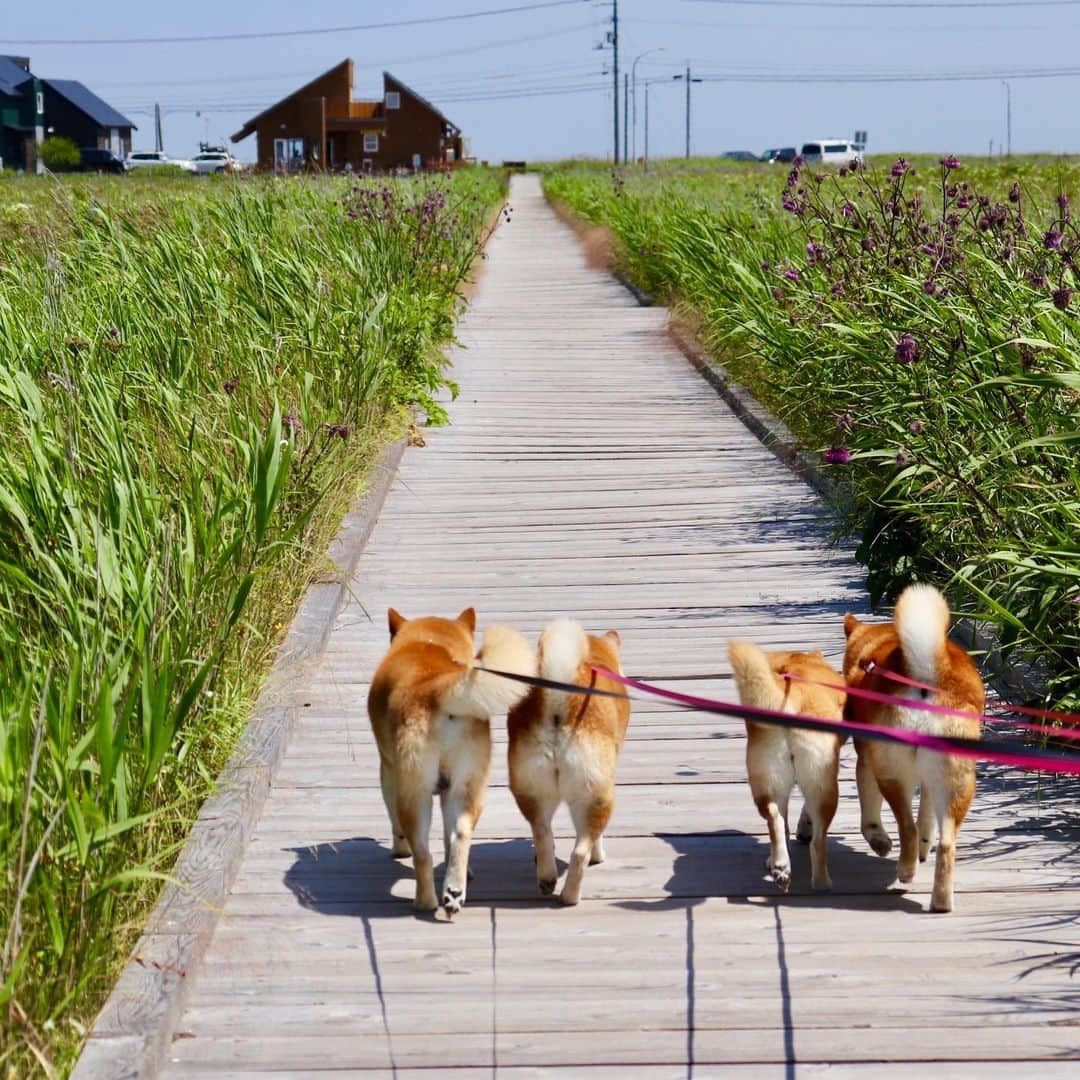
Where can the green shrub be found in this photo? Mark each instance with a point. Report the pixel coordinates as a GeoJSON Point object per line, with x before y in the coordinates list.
{"type": "Point", "coordinates": [60, 154]}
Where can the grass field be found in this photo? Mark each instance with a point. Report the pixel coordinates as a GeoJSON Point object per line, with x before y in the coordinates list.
{"type": "Point", "coordinates": [918, 323]}
{"type": "Point", "coordinates": [195, 378]}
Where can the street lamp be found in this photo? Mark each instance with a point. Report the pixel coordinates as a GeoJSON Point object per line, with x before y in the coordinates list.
{"type": "Point", "coordinates": [633, 91]}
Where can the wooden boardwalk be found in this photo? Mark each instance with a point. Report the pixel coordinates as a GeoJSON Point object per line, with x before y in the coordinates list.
{"type": "Point", "coordinates": [590, 471]}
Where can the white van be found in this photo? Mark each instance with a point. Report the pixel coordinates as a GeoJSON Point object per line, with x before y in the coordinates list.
{"type": "Point", "coordinates": [829, 152]}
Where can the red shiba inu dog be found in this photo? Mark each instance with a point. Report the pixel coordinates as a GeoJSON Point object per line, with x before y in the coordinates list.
{"type": "Point", "coordinates": [778, 758]}
{"type": "Point", "coordinates": [563, 748]}
{"type": "Point", "coordinates": [916, 645]}
{"type": "Point", "coordinates": [430, 706]}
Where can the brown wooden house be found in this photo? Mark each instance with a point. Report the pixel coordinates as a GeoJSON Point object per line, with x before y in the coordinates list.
{"type": "Point", "coordinates": [320, 126]}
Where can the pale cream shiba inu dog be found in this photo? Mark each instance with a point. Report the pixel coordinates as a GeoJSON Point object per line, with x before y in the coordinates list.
{"type": "Point", "coordinates": [563, 748]}
{"type": "Point", "coordinates": [916, 645]}
{"type": "Point", "coordinates": [778, 758]}
{"type": "Point", "coordinates": [430, 706]}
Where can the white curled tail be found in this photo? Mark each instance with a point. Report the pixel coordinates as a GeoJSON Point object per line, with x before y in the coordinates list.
{"type": "Point", "coordinates": [482, 694]}
{"type": "Point", "coordinates": [922, 624]}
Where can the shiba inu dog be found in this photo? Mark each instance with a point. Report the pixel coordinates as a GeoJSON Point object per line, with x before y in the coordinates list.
{"type": "Point", "coordinates": [915, 644]}
{"type": "Point", "coordinates": [430, 706]}
{"type": "Point", "coordinates": [563, 748]}
{"type": "Point", "coordinates": [778, 758]}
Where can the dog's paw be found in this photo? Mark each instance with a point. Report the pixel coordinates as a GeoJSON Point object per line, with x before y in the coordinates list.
{"type": "Point", "coordinates": [782, 876]}
{"type": "Point", "coordinates": [401, 849]}
{"type": "Point", "coordinates": [878, 839]}
{"type": "Point", "coordinates": [425, 903]}
{"type": "Point", "coordinates": [942, 903]}
{"type": "Point", "coordinates": [547, 885]}
{"type": "Point", "coordinates": [822, 884]}
{"type": "Point", "coordinates": [568, 899]}
{"type": "Point", "coordinates": [905, 874]}
{"type": "Point", "coordinates": [452, 900]}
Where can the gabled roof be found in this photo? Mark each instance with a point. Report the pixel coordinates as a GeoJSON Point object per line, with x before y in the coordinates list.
{"type": "Point", "coordinates": [99, 111]}
{"type": "Point", "coordinates": [388, 78]}
{"type": "Point", "coordinates": [12, 75]}
{"type": "Point", "coordinates": [250, 126]}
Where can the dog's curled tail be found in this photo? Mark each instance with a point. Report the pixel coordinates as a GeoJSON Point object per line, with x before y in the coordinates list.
{"type": "Point", "coordinates": [563, 649]}
{"type": "Point", "coordinates": [754, 677]}
{"type": "Point", "coordinates": [922, 624]}
{"type": "Point", "coordinates": [482, 694]}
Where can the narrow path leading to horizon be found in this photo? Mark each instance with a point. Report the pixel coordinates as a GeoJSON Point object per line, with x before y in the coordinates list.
{"type": "Point", "coordinates": [590, 471]}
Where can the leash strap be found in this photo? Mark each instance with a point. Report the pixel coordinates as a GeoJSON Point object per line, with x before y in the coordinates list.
{"type": "Point", "coordinates": [1000, 751]}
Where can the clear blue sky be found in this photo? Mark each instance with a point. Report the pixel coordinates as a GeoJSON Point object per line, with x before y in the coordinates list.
{"type": "Point", "coordinates": [470, 68]}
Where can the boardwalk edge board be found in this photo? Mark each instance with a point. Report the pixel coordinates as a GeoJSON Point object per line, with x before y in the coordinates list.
{"type": "Point", "coordinates": [134, 1029]}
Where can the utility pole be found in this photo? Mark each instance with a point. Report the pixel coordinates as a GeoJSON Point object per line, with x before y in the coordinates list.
{"type": "Point", "coordinates": [646, 126]}
{"type": "Point", "coordinates": [689, 80]}
{"type": "Point", "coordinates": [615, 47]}
{"type": "Point", "coordinates": [1008, 118]}
{"type": "Point", "coordinates": [626, 118]}
{"type": "Point", "coordinates": [158, 141]}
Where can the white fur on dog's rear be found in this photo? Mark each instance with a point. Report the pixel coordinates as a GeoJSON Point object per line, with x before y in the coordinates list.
{"type": "Point", "coordinates": [922, 624]}
{"type": "Point", "coordinates": [482, 694]}
{"type": "Point", "coordinates": [563, 649]}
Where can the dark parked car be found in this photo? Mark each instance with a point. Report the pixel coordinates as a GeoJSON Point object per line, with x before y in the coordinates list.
{"type": "Point", "coordinates": [783, 155]}
{"type": "Point", "coordinates": [740, 155]}
{"type": "Point", "coordinates": [92, 159]}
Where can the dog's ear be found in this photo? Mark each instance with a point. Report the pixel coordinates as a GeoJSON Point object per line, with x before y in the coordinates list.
{"type": "Point", "coordinates": [613, 637]}
{"type": "Point", "coordinates": [851, 624]}
{"type": "Point", "coordinates": [468, 618]}
{"type": "Point", "coordinates": [396, 621]}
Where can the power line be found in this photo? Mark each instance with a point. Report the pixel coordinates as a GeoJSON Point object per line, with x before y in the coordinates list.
{"type": "Point", "coordinates": [307, 76]}
{"type": "Point", "coordinates": [263, 34]}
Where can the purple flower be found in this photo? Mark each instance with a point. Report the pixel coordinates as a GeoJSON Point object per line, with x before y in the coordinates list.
{"type": "Point", "coordinates": [867, 243]}
{"type": "Point", "coordinates": [845, 421]}
{"type": "Point", "coordinates": [341, 431]}
{"type": "Point", "coordinates": [900, 168]}
{"type": "Point", "coordinates": [901, 458]}
{"type": "Point", "coordinates": [1061, 298]}
{"type": "Point", "coordinates": [1052, 240]}
{"type": "Point", "coordinates": [229, 386]}
{"type": "Point", "coordinates": [950, 162]}
{"type": "Point", "coordinates": [114, 332]}
{"type": "Point", "coordinates": [963, 202]}
{"type": "Point", "coordinates": [848, 209]}
{"type": "Point", "coordinates": [837, 455]}
{"type": "Point", "coordinates": [1063, 202]}
{"type": "Point", "coordinates": [930, 288]}
{"type": "Point", "coordinates": [951, 191]}
{"type": "Point", "coordinates": [1014, 192]}
{"type": "Point", "coordinates": [791, 205]}
{"type": "Point", "coordinates": [292, 423]}
{"type": "Point", "coordinates": [791, 274]}
{"type": "Point", "coordinates": [907, 349]}
{"type": "Point", "coordinates": [915, 427]}
{"type": "Point", "coordinates": [778, 293]}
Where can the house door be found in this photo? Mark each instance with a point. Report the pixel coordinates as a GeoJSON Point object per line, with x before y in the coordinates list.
{"type": "Point", "coordinates": [114, 142]}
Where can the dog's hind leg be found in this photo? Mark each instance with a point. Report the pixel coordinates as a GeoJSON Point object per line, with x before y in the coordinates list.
{"type": "Point", "coordinates": [925, 823]}
{"type": "Point", "coordinates": [896, 778]}
{"type": "Point", "coordinates": [400, 846]}
{"type": "Point", "coordinates": [598, 853]}
{"type": "Point", "coordinates": [951, 784]}
{"type": "Point", "coordinates": [414, 812]}
{"type": "Point", "coordinates": [818, 780]}
{"type": "Point", "coordinates": [804, 831]}
{"type": "Point", "coordinates": [462, 804]}
{"type": "Point", "coordinates": [870, 803]}
{"type": "Point", "coordinates": [590, 817]}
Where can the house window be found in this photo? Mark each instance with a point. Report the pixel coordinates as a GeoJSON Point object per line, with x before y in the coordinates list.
{"type": "Point", "coordinates": [393, 99]}
{"type": "Point", "coordinates": [371, 144]}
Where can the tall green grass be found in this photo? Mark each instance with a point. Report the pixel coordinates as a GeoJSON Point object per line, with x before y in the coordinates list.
{"type": "Point", "coordinates": [919, 325]}
{"type": "Point", "coordinates": [192, 381]}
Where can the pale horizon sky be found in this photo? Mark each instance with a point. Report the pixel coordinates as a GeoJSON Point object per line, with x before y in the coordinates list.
{"type": "Point", "coordinates": [471, 68]}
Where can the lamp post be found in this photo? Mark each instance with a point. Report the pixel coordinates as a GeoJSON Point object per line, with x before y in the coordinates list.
{"type": "Point", "coordinates": [689, 80]}
{"type": "Point", "coordinates": [633, 93]}
{"type": "Point", "coordinates": [1008, 118]}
